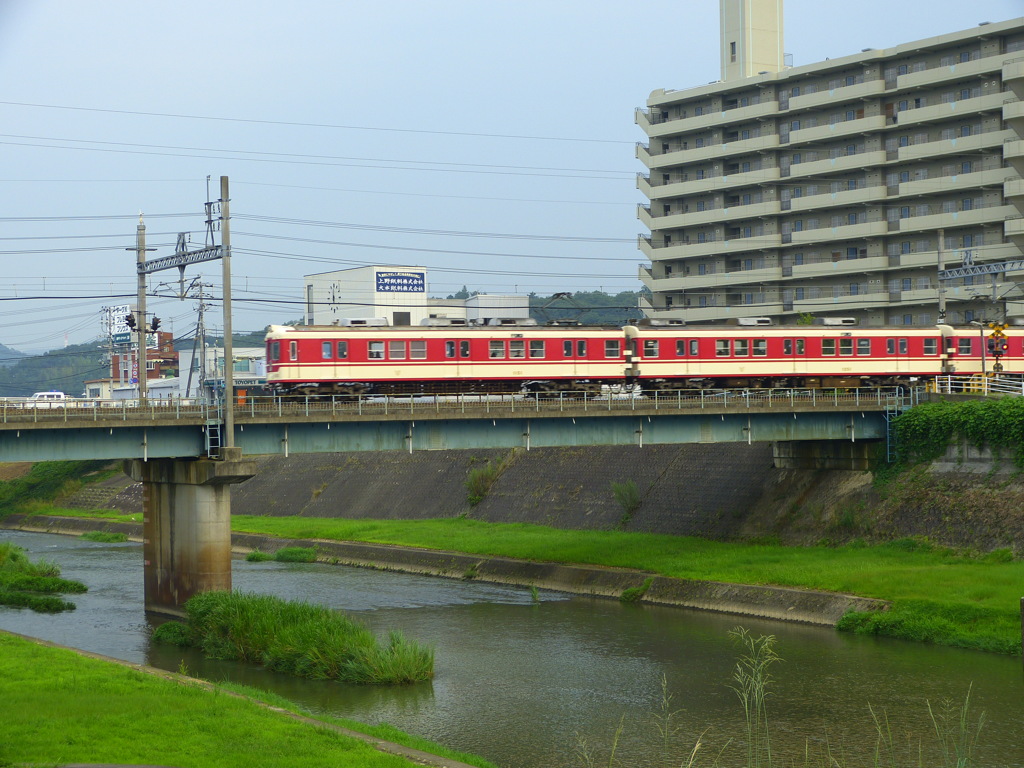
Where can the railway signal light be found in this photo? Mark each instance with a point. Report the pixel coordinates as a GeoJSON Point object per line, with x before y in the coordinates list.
{"type": "Point", "coordinates": [997, 342]}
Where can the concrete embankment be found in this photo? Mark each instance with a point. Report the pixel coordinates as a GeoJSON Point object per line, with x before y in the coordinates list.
{"type": "Point", "coordinates": [806, 606]}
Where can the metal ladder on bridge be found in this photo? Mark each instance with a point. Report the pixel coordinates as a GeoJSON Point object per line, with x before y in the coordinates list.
{"type": "Point", "coordinates": [894, 406]}
{"type": "Point", "coordinates": [213, 431]}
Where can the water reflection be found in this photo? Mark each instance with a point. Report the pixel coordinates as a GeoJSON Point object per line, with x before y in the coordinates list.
{"type": "Point", "coordinates": [516, 680]}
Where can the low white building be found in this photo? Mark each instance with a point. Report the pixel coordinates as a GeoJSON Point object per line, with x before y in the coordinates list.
{"type": "Point", "coordinates": [399, 295]}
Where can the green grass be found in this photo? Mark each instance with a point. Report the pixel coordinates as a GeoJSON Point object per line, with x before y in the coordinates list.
{"type": "Point", "coordinates": [24, 584]}
{"type": "Point", "coordinates": [45, 481]}
{"type": "Point", "coordinates": [60, 707]}
{"type": "Point", "coordinates": [938, 595]}
{"type": "Point", "coordinates": [297, 638]}
{"type": "Point", "coordinates": [105, 537]}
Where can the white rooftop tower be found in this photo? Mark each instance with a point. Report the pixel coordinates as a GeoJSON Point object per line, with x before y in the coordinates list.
{"type": "Point", "coordinates": [751, 37]}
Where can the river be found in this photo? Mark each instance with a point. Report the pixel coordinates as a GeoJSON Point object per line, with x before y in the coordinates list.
{"type": "Point", "coordinates": [519, 681]}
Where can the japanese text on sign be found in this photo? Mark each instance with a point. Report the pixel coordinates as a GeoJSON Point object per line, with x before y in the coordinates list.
{"type": "Point", "coordinates": [401, 282]}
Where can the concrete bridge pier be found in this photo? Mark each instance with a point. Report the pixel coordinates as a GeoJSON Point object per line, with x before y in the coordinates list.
{"type": "Point", "coordinates": [187, 525]}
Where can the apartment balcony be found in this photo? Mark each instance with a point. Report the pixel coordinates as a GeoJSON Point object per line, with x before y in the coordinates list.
{"type": "Point", "coordinates": [671, 282]}
{"type": "Point", "coordinates": [991, 102]}
{"type": "Point", "coordinates": [845, 197]}
{"type": "Point", "coordinates": [865, 90]}
{"type": "Point", "coordinates": [955, 257]}
{"type": "Point", "coordinates": [1013, 75]}
{"type": "Point", "coordinates": [972, 218]}
{"type": "Point", "coordinates": [706, 185]}
{"type": "Point", "coordinates": [695, 315]}
{"type": "Point", "coordinates": [714, 248]}
{"type": "Point", "coordinates": [836, 131]}
{"type": "Point", "coordinates": [1013, 229]}
{"type": "Point", "coordinates": [701, 122]}
{"type": "Point", "coordinates": [712, 216]}
{"type": "Point", "coordinates": [838, 164]}
{"type": "Point", "coordinates": [1013, 192]}
{"type": "Point", "coordinates": [839, 268]}
{"type": "Point", "coordinates": [724, 278]}
{"type": "Point", "coordinates": [1013, 114]}
{"type": "Point", "coordinates": [953, 184]}
{"type": "Point", "coordinates": [1013, 153]}
{"type": "Point", "coordinates": [959, 146]}
{"type": "Point", "coordinates": [706, 154]}
{"type": "Point", "coordinates": [839, 304]}
{"type": "Point", "coordinates": [937, 76]}
{"type": "Point", "coordinates": [846, 232]}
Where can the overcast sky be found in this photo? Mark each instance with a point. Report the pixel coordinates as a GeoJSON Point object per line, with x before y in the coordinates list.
{"type": "Point", "coordinates": [491, 142]}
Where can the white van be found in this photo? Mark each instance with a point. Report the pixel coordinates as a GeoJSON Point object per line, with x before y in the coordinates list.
{"type": "Point", "coordinates": [49, 400]}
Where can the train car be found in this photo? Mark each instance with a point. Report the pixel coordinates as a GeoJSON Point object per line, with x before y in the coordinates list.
{"type": "Point", "coordinates": [353, 360]}
{"type": "Point", "coordinates": [524, 357]}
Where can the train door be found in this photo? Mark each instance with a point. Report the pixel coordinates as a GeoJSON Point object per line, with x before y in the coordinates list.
{"type": "Point", "coordinates": [794, 353]}
{"type": "Point", "coordinates": [574, 352]}
{"type": "Point", "coordinates": [898, 352]}
{"type": "Point", "coordinates": [457, 363]}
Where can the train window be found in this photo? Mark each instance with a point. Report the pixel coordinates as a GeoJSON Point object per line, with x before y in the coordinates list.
{"type": "Point", "coordinates": [375, 350]}
{"type": "Point", "coordinates": [612, 347]}
{"type": "Point", "coordinates": [449, 349]}
{"type": "Point", "coordinates": [931, 346]}
{"type": "Point", "coordinates": [721, 347]}
{"type": "Point", "coordinates": [903, 346]}
{"type": "Point", "coordinates": [567, 348]}
{"type": "Point", "coordinates": [326, 348]}
{"type": "Point", "coordinates": [650, 347]}
{"type": "Point", "coordinates": [760, 347]}
{"type": "Point", "coordinates": [863, 346]}
{"type": "Point", "coordinates": [417, 350]}
{"type": "Point", "coordinates": [846, 347]}
{"type": "Point", "coordinates": [828, 346]}
{"type": "Point", "coordinates": [581, 349]}
{"type": "Point", "coordinates": [537, 348]}
{"type": "Point", "coordinates": [787, 346]}
{"type": "Point", "coordinates": [741, 347]}
{"type": "Point", "coordinates": [342, 350]}
{"type": "Point", "coordinates": [293, 350]}
{"type": "Point", "coordinates": [694, 347]}
{"type": "Point", "coordinates": [464, 348]}
{"type": "Point", "coordinates": [890, 346]}
{"type": "Point", "coordinates": [497, 349]}
{"type": "Point", "coordinates": [517, 349]}
{"type": "Point", "coordinates": [396, 350]}
{"type": "Point", "coordinates": [681, 348]}
{"type": "Point", "coordinates": [275, 350]}
{"type": "Point", "coordinates": [800, 346]}
{"type": "Point", "coordinates": [963, 346]}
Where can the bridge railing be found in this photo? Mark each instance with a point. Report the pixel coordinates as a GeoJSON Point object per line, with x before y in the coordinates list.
{"type": "Point", "coordinates": [483, 404]}
{"type": "Point", "coordinates": [977, 384]}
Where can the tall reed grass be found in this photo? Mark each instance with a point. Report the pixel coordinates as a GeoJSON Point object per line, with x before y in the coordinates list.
{"type": "Point", "coordinates": [38, 586]}
{"type": "Point", "coordinates": [297, 638]}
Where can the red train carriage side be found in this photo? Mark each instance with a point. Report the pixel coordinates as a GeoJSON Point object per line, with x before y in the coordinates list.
{"type": "Point", "coordinates": [341, 360]}
{"type": "Point", "coordinates": [319, 360]}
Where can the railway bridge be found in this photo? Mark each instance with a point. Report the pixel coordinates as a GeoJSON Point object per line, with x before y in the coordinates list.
{"type": "Point", "coordinates": [176, 450]}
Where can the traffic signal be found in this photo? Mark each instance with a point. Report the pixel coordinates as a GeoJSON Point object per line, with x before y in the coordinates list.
{"type": "Point", "coordinates": [155, 324]}
{"type": "Point", "coordinates": [129, 320]}
{"type": "Point", "coordinates": [997, 342]}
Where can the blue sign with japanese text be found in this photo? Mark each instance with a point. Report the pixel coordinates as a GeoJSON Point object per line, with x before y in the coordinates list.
{"type": "Point", "coordinates": [401, 282]}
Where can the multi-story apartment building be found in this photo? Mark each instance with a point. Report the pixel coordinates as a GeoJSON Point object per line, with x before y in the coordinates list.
{"type": "Point", "coordinates": [837, 188]}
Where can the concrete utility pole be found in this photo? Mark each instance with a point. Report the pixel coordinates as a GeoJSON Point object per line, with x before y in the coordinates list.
{"type": "Point", "coordinates": [942, 287]}
{"type": "Point", "coordinates": [140, 309]}
{"type": "Point", "coordinates": [228, 440]}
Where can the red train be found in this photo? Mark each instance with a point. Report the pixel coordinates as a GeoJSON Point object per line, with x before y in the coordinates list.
{"type": "Point", "coordinates": [521, 356]}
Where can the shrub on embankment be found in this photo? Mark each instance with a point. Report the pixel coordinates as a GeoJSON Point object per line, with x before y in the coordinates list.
{"type": "Point", "coordinates": [24, 584]}
{"type": "Point", "coordinates": [298, 638]}
{"type": "Point", "coordinates": [924, 432]}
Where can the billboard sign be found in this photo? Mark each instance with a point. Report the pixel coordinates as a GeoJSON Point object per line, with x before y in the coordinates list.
{"type": "Point", "coordinates": [401, 282]}
{"type": "Point", "coordinates": [119, 331]}
{"type": "Point", "coordinates": [121, 338]}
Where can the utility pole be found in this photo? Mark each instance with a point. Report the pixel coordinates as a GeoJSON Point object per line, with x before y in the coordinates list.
{"type": "Point", "coordinates": [229, 374]}
{"type": "Point", "coordinates": [140, 309]}
{"type": "Point", "coordinates": [942, 287]}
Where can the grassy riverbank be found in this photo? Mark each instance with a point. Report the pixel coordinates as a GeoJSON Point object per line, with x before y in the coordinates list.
{"type": "Point", "coordinates": [938, 595]}
{"type": "Point", "coordinates": [61, 707]}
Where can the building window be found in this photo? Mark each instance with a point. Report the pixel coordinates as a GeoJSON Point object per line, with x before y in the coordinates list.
{"type": "Point", "coordinates": [732, 52]}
